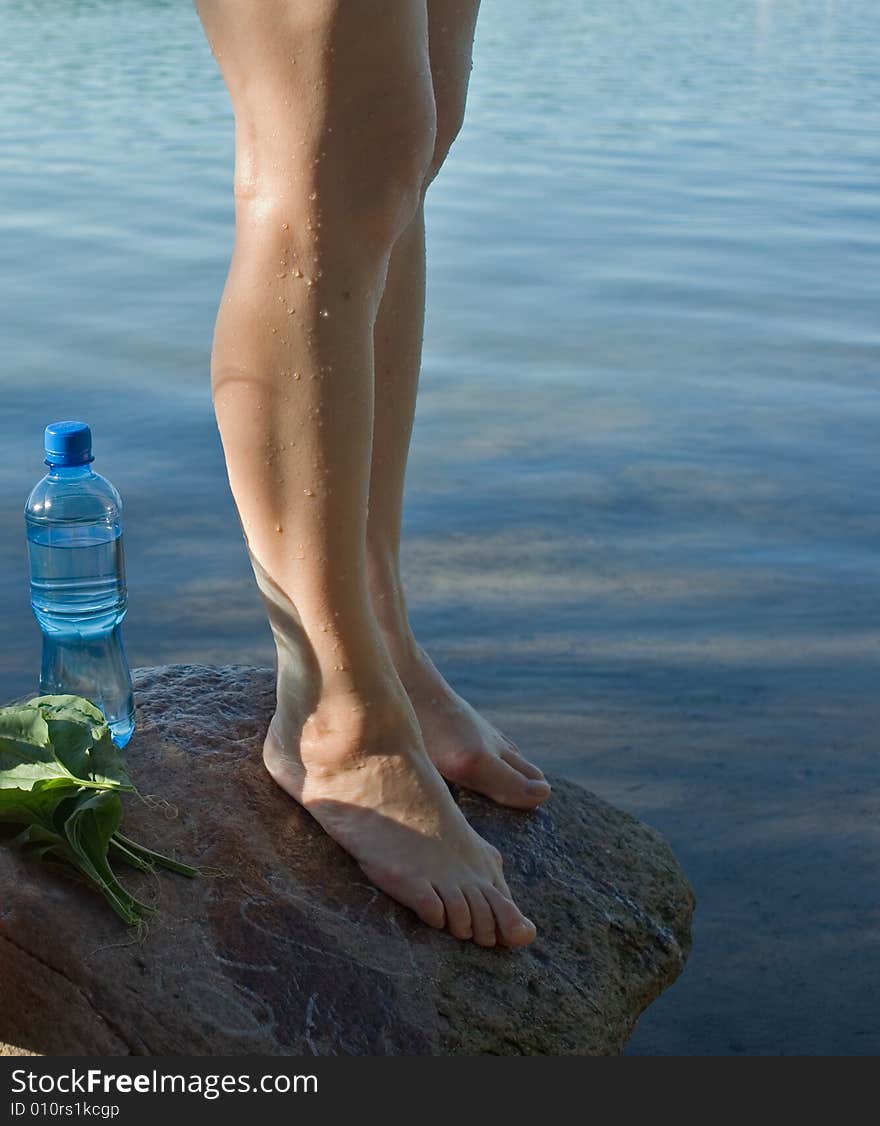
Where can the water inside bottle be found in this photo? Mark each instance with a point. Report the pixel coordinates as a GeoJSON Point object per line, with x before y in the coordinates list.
{"type": "Point", "coordinates": [76, 591]}
{"type": "Point", "coordinates": [79, 600]}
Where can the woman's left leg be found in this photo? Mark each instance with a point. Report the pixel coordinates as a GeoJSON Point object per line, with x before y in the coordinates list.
{"type": "Point", "coordinates": [463, 745]}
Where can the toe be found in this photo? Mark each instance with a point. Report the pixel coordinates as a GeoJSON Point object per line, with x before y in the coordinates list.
{"type": "Point", "coordinates": [512, 926]}
{"type": "Point", "coordinates": [458, 913]}
{"type": "Point", "coordinates": [536, 791]}
{"type": "Point", "coordinates": [509, 786]}
{"type": "Point", "coordinates": [499, 881]}
{"type": "Point", "coordinates": [511, 755]}
{"type": "Point", "coordinates": [482, 917]}
{"type": "Point", "coordinates": [412, 891]}
{"type": "Point", "coordinates": [426, 903]}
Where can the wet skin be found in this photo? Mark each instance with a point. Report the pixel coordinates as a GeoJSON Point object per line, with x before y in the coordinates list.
{"type": "Point", "coordinates": [342, 118]}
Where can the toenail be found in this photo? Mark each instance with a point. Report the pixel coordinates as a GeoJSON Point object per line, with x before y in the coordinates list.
{"type": "Point", "coordinates": [537, 785]}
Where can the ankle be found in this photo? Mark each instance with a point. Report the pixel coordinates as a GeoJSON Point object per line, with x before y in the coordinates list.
{"type": "Point", "coordinates": [348, 726]}
{"type": "Point", "coordinates": [414, 668]}
{"type": "Point", "coordinates": [389, 607]}
{"type": "Point", "coordinates": [404, 651]}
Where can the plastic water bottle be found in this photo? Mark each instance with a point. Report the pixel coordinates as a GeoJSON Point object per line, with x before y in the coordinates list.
{"type": "Point", "coordinates": [78, 595]}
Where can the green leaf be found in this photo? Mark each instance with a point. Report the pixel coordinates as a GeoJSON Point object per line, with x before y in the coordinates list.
{"type": "Point", "coordinates": [24, 725]}
{"type": "Point", "coordinates": [36, 806]}
{"type": "Point", "coordinates": [71, 741]}
{"type": "Point", "coordinates": [55, 738]}
{"type": "Point", "coordinates": [82, 725]}
{"type": "Point", "coordinates": [25, 754]}
{"type": "Point", "coordinates": [97, 815]}
{"type": "Point", "coordinates": [64, 705]}
{"type": "Point", "coordinates": [107, 764]}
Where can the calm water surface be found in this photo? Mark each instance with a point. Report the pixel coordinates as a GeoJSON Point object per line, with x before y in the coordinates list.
{"type": "Point", "coordinates": [644, 505]}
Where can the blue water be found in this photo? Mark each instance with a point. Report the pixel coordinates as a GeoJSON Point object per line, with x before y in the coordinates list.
{"type": "Point", "coordinates": [643, 501]}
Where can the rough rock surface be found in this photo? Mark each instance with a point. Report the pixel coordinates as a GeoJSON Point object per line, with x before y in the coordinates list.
{"type": "Point", "coordinates": [284, 948]}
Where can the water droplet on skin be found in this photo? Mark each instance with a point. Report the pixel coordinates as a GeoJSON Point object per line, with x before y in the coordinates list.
{"type": "Point", "coordinates": [281, 275]}
{"type": "Point", "coordinates": [290, 312]}
{"type": "Point", "coordinates": [296, 375]}
{"type": "Point", "coordinates": [308, 492]}
{"type": "Point", "coordinates": [324, 313]}
{"type": "Point", "coordinates": [309, 282]}
{"type": "Point", "coordinates": [313, 196]}
{"type": "Point", "coordinates": [278, 528]}
{"type": "Point", "coordinates": [297, 273]}
{"type": "Point", "coordinates": [285, 226]}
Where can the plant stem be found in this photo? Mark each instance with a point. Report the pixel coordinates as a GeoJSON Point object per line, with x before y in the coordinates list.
{"type": "Point", "coordinates": [152, 857]}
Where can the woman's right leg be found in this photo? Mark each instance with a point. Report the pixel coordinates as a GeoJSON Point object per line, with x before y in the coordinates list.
{"type": "Point", "coordinates": [334, 121]}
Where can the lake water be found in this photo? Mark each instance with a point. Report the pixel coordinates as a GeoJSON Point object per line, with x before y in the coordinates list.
{"type": "Point", "coordinates": [644, 503]}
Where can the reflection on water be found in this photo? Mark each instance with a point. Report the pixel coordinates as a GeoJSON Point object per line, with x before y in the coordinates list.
{"type": "Point", "coordinates": [643, 507]}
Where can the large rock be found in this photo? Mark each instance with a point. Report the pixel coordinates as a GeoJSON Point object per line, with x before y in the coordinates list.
{"type": "Point", "coordinates": [283, 947]}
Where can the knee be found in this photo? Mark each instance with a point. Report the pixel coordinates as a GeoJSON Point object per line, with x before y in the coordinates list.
{"type": "Point", "coordinates": [450, 117]}
{"type": "Point", "coordinates": [351, 185]}
{"type": "Point", "coordinates": [381, 187]}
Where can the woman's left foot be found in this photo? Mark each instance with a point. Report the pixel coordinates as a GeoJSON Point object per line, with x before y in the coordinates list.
{"type": "Point", "coordinates": [463, 745]}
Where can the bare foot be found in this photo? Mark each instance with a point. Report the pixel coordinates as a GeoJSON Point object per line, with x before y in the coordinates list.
{"type": "Point", "coordinates": [359, 767]}
{"type": "Point", "coordinates": [463, 745]}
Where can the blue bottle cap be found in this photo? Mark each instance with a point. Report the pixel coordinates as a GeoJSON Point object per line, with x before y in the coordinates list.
{"type": "Point", "coordinates": [68, 443]}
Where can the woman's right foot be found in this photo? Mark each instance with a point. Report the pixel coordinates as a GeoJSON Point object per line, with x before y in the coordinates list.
{"type": "Point", "coordinates": [358, 766]}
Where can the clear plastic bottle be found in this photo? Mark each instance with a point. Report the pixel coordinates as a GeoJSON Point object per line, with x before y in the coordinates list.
{"type": "Point", "coordinates": [78, 595]}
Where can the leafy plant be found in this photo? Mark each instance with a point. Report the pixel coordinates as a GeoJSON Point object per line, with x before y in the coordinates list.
{"type": "Point", "coordinates": [61, 777]}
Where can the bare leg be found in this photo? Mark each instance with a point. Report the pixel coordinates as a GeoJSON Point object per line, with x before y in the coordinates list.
{"type": "Point", "coordinates": [335, 121]}
{"type": "Point", "coordinates": [463, 745]}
